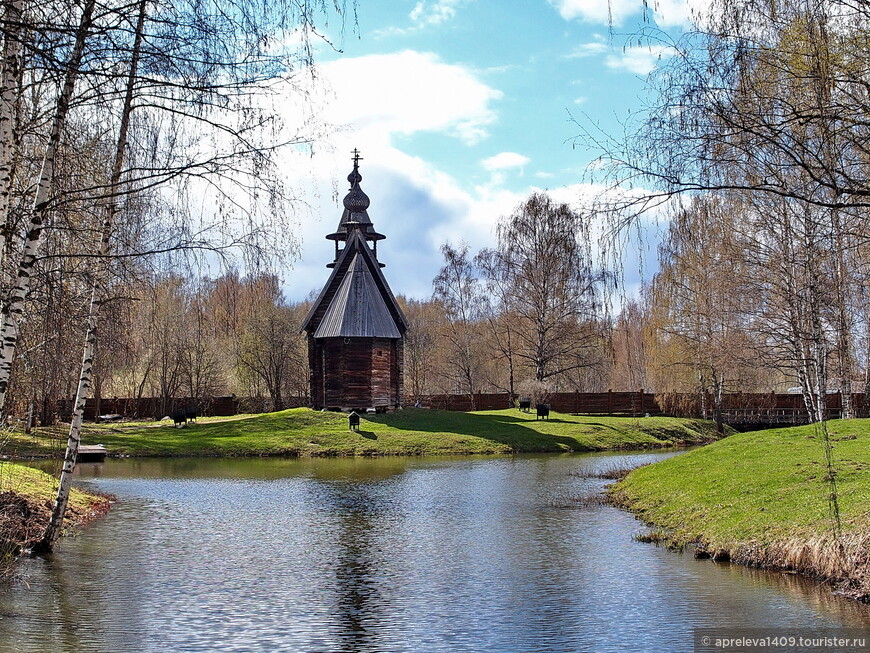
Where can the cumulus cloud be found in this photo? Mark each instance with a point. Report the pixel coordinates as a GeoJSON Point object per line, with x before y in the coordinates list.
{"type": "Point", "coordinates": [589, 49]}
{"type": "Point", "coordinates": [597, 11]}
{"type": "Point", "coordinates": [433, 13]}
{"type": "Point", "coordinates": [372, 102]}
{"type": "Point", "coordinates": [409, 92]}
{"type": "Point", "coordinates": [417, 205]}
{"type": "Point", "coordinates": [505, 160]}
{"type": "Point", "coordinates": [667, 13]}
{"type": "Point", "coordinates": [640, 60]}
{"type": "Point", "coordinates": [637, 59]}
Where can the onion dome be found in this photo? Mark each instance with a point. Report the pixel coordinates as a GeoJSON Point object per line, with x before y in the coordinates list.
{"type": "Point", "coordinates": [356, 204]}
{"type": "Point", "coordinates": [356, 201]}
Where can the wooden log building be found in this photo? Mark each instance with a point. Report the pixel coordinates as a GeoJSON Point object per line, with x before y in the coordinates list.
{"type": "Point", "coordinates": [355, 329]}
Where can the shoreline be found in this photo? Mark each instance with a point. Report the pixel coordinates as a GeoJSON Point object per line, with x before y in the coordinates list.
{"type": "Point", "coordinates": [26, 502]}
{"type": "Point", "coordinates": [368, 454]}
{"type": "Point", "coordinates": [760, 499]}
{"type": "Point", "coordinates": [303, 432]}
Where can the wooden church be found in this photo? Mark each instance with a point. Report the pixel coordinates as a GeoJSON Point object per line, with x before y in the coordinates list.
{"type": "Point", "coordinates": [355, 328]}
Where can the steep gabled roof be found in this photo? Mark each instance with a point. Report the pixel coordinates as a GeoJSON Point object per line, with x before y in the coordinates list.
{"type": "Point", "coordinates": [357, 309]}
{"type": "Point", "coordinates": [356, 298]}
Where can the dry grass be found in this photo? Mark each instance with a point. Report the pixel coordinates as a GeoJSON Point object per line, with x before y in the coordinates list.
{"type": "Point", "coordinates": [26, 499]}
{"type": "Point", "coordinates": [763, 499]}
{"type": "Point", "coordinates": [610, 472]}
{"type": "Point", "coordinates": [590, 500]}
{"type": "Point", "coordinates": [844, 563]}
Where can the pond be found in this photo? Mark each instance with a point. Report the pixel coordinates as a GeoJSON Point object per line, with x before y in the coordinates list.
{"type": "Point", "coordinates": [387, 554]}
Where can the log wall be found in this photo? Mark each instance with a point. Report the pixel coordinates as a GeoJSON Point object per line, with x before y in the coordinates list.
{"type": "Point", "coordinates": [356, 372]}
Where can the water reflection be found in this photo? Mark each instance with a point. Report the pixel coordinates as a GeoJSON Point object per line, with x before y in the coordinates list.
{"type": "Point", "coordinates": [392, 554]}
{"type": "Point", "coordinates": [360, 604]}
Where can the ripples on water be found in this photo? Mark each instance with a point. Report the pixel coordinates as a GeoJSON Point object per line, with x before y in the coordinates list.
{"type": "Point", "coordinates": [468, 554]}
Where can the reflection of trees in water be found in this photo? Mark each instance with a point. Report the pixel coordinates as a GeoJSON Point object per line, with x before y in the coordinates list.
{"type": "Point", "coordinates": [361, 606]}
{"type": "Point", "coordinates": [93, 589]}
{"type": "Point", "coordinates": [803, 591]}
{"type": "Point", "coordinates": [67, 612]}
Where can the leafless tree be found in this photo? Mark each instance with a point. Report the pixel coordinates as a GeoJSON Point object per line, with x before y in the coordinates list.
{"type": "Point", "coordinates": [457, 290]}
{"type": "Point", "coordinates": [543, 266]}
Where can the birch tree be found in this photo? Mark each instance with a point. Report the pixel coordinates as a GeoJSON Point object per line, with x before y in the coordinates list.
{"type": "Point", "coordinates": [457, 290]}
{"type": "Point", "coordinates": [246, 28]}
{"type": "Point", "coordinates": [543, 259]}
{"type": "Point", "coordinates": [86, 376]}
{"type": "Point", "coordinates": [9, 84]}
{"type": "Point", "coordinates": [13, 308]}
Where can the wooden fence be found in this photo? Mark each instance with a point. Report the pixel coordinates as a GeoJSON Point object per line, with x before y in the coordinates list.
{"type": "Point", "coordinates": [156, 407]}
{"type": "Point", "coordinates": [738, 409]}
{"type": "Point", "coordinates": [589, 403]}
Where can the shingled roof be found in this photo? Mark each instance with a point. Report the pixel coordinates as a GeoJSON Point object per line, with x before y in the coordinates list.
{"type": "Point", "coordinates": [357, 309]}
{"type": "Point", "coordinates": [356, 300]}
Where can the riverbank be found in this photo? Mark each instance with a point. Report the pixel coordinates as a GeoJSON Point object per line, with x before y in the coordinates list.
{"type": "Point", "coordinates": [304, 432]}
{"type": "Point", "coordinates": [26, 499]}
{"type": "Point", "coordinates": [761, 499]}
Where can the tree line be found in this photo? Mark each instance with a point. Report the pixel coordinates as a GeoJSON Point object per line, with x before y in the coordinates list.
{"type": "Point", "coordinates": [129, 130]}
{"type": "Point", "coordinates": [532, 315]}
{"type": "Point", "coordinates": [754, 147]}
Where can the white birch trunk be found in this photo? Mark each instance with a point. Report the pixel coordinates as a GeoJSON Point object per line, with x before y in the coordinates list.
{"type": "Point", "coordinates": [8, 99]}
{"type": "Point", "coordinates": [14, 308]}
{"type": "Point", "coordinates": [86, 377]}
{"type": "Point", "coordinates": [55, 524]}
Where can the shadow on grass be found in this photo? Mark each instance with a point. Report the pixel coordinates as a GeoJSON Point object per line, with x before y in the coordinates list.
{"type": "Point", "coordinates": [519, 433]}
{"type": "Point", "coordinates": [368, 434]}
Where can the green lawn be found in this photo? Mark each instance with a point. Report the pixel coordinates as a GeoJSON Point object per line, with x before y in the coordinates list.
{"type": "Point", "coordinates": [26, 499]}
{"type": "Point", "coordinates": [39, 487]}
{"type": "Point", "coordinates": [757, 487]}
{"type": "Point", "coordinates": [303, 432]}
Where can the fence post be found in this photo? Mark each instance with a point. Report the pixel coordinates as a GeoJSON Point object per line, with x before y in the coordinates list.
{"type": "Point", "coordinates": [610, 401]}
{"type": "Point", "coordinates": [641, 402]}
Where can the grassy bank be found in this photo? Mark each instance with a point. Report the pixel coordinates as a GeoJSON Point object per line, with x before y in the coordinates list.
{"type": "Point", "coordinates": [303, 432]}
{"type": "Point", "coordinates": [26, 499]}
{"type": "Point", "coordinates": [761, 498]}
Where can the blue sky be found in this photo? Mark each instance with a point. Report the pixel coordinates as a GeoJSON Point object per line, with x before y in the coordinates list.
{"type": "Point", "coordinates": [461, 108]}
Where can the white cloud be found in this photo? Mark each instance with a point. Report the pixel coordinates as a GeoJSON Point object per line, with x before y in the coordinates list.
{"type": "Point", "coordinates": [505, 160]}
{"type": "Point", "coordinates": [376, 100]}
{"type": "Point", "coordinates": [597, 11]}
{"type": "Point", "coordinates": [433, 13]}
{"type": "Point", "coordinates": [408, 92]}
{"type": "Point", "coordinates": [678, 13]}
{"type": "Point", "coordinates": [413, 202]}
{"type": "Point", "coordinates": [424, 14]}
{"type": "Point", "coordinates": [640, 60]}
{"type": "Point", "coordinates": [580, 100]}
{"type": "Point", "coordinates": [588, 49]}
{"type": "Point", "coordinates": [667, 13]}
{"type": "Point", "coordinates": [416, 205]}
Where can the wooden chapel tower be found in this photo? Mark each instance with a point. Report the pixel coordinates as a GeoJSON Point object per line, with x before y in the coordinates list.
{"type": "Point", "coordinates": [355, 328]}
